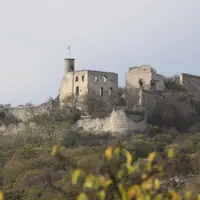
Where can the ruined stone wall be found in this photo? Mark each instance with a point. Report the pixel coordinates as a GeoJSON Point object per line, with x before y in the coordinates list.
{"type": "Point", "coordinates": [135, 74]}
{"type": "Point", "coordinates": [77, 80]}
{"type": "Point", "coordinates": [118, 122]}
{"type": "Point", "coordinates": [151, 80]}
{"type": "Point", "coordinates": [103, 83]}
{"type": "Point", "coordinates": [150, 99]}
{"type": "Point", "coordinates": [191, 83]}
{"type": "Point", "coordinates": [159, 84]}
{"type": "Point", "coordinates": [89, 82]}
{"type": "Point", "coordinates": [24, 113]}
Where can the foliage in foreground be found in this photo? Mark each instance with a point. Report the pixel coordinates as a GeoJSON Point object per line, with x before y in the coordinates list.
{"type": "Point", "coordinates": [112, 186]}
{"type": "Point", "coordinates": [26, 163]}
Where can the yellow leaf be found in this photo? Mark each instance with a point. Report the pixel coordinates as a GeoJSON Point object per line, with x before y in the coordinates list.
{"type": "Point", "coordinates": [198, 197]}
{"type": "Point", "coordinates": [82, 196]}
{"type": "Point", "coordinates": [75, 176]}
{"type": "Point", "coordinates": [158, 197]}
{"type": "Point", "coordinates": [122, 192]}
{"type": "Point", "coordinates": [117, 151]}
{"type": "Point", "coordinates": [175, 196]}
{"type": "Point", "coordinates": [101, 195]}
{"type": "Point", "coordinates": [97, 183]}
{"type": "Point", "coordinates": [147, 185]}
{"type": "Point", "coordinates": [170, 153]}
{"type": "Point", "coordinates": [89, 181]}
{"type": "Point", "coordinates": [149, 167]}
{"type": "Point", "coordinates": [107, 183]}
{"type": "Point", "coordinates": [128, 157]}
{"type": "Point", "coordinates": [131, 168]}
{"type": "Point", "coordinates": [151, 156]}
{"type": "Point", "coordinates": [157, 184]}
{"type": "Point", "coordinates": [1, 196]}
{"type": "Point", "coordinates": [54, 150]}
{"type": "Point", "coordinates": [188, 194]}
{"type": "Point", "coordinates": [120, 174]}
{"type": "Point", "coordinates": [108, 153]}
{"type": "Point", "coordinates": [148, 197]}
{"type": "Point", "coordinates": [133, 191]}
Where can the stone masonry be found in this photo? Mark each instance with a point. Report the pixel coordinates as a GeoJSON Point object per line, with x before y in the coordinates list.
{"type": "Point", "coordinates": [88, 82]}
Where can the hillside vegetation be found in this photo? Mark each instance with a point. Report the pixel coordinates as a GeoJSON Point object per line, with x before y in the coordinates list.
{"type": "Point", "coordinates": [28, 170]}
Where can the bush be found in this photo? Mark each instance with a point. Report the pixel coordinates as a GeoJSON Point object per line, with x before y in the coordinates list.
{"type": "Point", "coordinates": [140, 147]}
{"type": "Point", "coordinates": [153, 130]}
{"type": "Point", "coordinates": [173, 83]}
{"type": "Point", "coordinates": [170, 116]}
{"type": "Point", "coordinates": [71, 139]}
{"type": "Point", "coordinates": [161, 141]}
{"type": "Point", "coordinates": [188, 147]}
{"type": "Point", "coordinates": [118, 182]}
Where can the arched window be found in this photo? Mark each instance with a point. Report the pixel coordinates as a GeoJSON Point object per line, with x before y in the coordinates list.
{"type": "Point", "coordinates": [105, 79]}
{"type": "Point", "coordinates": [141, 83]}
{"type": "Point", "coordinates": [83, 78]}
{"type": "Point", "coordinates": [96, 79]}
{"type": "Point", "coordinates": [101, 91]}
{"type": "Point", "coordinates": [77, 91]}
{"type": "Point", "coordinates": [110, 91]}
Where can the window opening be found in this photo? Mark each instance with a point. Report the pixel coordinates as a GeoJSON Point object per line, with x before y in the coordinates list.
{"type": "Point", "coordinates": [105, 79]}
{"type": "Point", "coordinates": [77, 91]}
{"type": "Point", "coordinates": [83, 78]}
{"type": "Point", "coordinates": [110, 91]}
{"type": "Point", "coordinates": [101, 91]}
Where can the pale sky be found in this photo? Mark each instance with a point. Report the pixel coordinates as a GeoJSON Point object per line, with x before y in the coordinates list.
{"type": "Point", "coordinates": [108, 35]}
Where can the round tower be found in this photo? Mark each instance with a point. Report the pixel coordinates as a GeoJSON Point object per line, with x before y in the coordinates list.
{"type": "Point", "coordinates": [69, 65]}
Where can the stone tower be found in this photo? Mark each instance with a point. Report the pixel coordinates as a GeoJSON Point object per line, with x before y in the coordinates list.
{"type": "Point", "coordinates": [69, 65]}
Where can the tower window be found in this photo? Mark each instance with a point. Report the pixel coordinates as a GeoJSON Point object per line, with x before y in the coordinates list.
{"type": "Point", "coordinates": [76, 79]}
{"type": "Point", "coordinates": [101, 91]}
{"type": "Point", "coordinates": [105, 79]}
{"type": "Point", "coordinates": [77, 91]}
{"type": "Point", "coordinates": [110, 91]}
{"type": "Point", "coordinates": [96, 79]}
{"type": "Point", "coordinates": [83, 78]}
{"type": "Point", "coordinates": [141, 83]}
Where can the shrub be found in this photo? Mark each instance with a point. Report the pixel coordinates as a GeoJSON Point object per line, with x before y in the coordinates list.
{"type": "Point", "coordinates": [161, 141]}
{"type": "Point", "coordinates": [188, 147]}
{"type": "Point", "coordinates": [153, 130]}
{"type": "Point", "coordinates": [113, 184]}
{"type": "Point", "coordinates": [71, 139]}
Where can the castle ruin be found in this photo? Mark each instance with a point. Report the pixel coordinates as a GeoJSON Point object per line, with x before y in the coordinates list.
{"type": "Point", "coordinates": [103, 85]}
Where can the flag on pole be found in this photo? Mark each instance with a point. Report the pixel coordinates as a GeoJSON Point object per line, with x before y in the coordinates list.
{"type": "Point", "coordinates": [69, 48]}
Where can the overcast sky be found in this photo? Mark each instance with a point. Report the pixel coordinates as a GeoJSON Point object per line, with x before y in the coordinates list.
{"type": "Point", "coordinates": [109, 35]}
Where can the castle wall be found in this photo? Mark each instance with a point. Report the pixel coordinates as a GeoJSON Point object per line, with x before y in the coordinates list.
{"type": "Point", "coordinates": [105, 80]}
{"type": "Point", "coordinates": [191, 83]}
{"type": "Point", "coordinates": [117, 122]}
{"type": "Point", "coordinates": [159, 82]}
{"type": "Point", "coordinates": [90, 82]}
{"type": "Point", "coordinates": [73, 80]}
{"type": "Point", "coordinates": [135, 74]}
{"type": "Point", "coordinates": [25, 113]}
{"type": "Point", "coordinates": [151, 80]}
{"type": "Point", "coordinates": [150, 99]}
